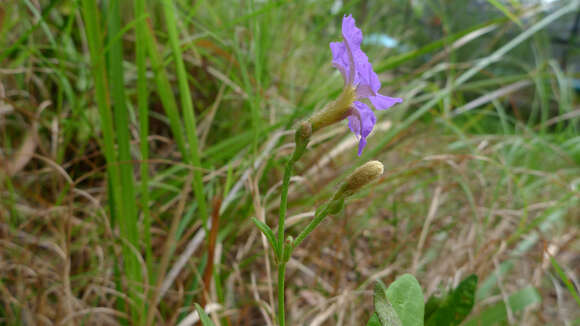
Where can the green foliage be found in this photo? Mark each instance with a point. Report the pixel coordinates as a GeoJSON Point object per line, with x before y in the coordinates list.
{"type": "Point", "coordinates": [374, 320]}
{"type": "Point", "coordinates": [384, 311]}
{"type": "Point", "coordinates": [431, 306]}
{"type": "Point", "coordinates": [205, 320]}
{"type": "Point", "coordinates": [455, 306]}
{"type": "Point", "coordinates": [406, 296]}
{"type": "Point", "coordinates": [571, 288]}
{"type": "Point", "coordinates": [267, 231]}
{"type": "Point", "coordinates": [497, 313]}
{"type": "Point", "coordinates": [505, 11]}
{"type": "Point", "coordinates": [401, 304]}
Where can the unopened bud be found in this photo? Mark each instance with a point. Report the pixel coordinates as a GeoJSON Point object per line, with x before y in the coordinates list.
{"type": "Point", "coordinates": [288, 248]}
{"type": "Point", "coordinates": [362, 176]}
{"type": "Point", "coordinates": [335, 111]}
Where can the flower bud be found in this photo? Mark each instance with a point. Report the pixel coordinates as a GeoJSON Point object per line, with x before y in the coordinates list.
{"type": "Point", "coordinates": [362, 176]}
{"type": "Point", "coordinates": [335, 111]}
{"type": "Point", "coordinates": [288, 248]}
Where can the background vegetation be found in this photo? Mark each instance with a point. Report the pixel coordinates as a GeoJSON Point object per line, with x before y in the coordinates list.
{"type": "Point", "coordinates": [138, 138]}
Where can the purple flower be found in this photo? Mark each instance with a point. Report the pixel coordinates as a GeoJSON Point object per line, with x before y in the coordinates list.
{"type": "Point", "coordinates": [359, 76]}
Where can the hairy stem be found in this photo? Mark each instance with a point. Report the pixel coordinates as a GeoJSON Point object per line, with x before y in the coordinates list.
{"type": "Point", "coordinates": [318, 217]}
{"type": "Point", "coordinates": [281, 222]}
{"type": "Point", "coordinates": [281, 308]}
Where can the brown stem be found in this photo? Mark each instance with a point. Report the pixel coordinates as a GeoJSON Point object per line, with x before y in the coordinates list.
{"type": "Point", "coordinates": [208, 272]}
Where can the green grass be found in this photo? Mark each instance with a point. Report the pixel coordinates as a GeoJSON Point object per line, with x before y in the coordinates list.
{"type": "Point", "coordinates": [124, 123]}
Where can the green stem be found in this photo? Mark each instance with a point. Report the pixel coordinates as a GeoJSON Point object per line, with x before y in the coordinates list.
{"type": "Point", "coordinates": [318, 217]}
{"type": "Point", "coordinates": [301, 139]}
{"type": "Point", "coordinates": [281, 222]}
{"type": "Point", "coordinates": [284, 203]}
{"type": "Point", "coordinates": [281, 275]}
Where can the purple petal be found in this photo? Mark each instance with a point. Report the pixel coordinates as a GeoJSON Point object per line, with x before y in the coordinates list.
{"type": "Point", "coordinates": [356, 61]}
{"type": "Point", "coordinates": [361, 122]}
{"type": "Point", "coordinates": [356, 58]}
{"type": "Point", "coordinates": [373, 79]}
{"type": "Point", "coordinates": [381, 102]}
{"type": "Point", "coordinates": [365, 79]}
{"type": "Point", "coordinates": [364, 91]}
{"type": "Point", "coordinates": [340, 58]}
{"type": "Point", "coordinates": [351, 33]}
{"type": "Point", "coordinates": [361, 145]}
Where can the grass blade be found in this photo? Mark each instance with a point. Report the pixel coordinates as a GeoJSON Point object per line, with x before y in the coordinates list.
{"type": "Point", "coordinates": [505, 11]}
{"type": "Point", "coordinates": [127, 221]}
{"type": "Point", "coordinates": [142, 104]}
{"type": "Point", "coordinates": [188, 113]}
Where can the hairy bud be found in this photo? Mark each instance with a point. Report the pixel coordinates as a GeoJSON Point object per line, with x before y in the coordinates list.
{"type": "Point", "coordinates": [362, 176]}
{"type": "Point", "coordinates": [335, 111]}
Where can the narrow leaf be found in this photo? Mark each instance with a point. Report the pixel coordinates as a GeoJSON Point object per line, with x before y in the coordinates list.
{"type": "Point", "coordinates": [205, 321]}
{"type": "Point", "coordinates": [505, 11]}
{"type": "Point", "coordinates": [269, 235]}
{"type": "Point", "coordinates": [565, 279]}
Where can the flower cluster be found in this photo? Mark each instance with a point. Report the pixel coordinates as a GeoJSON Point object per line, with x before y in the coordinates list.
{"type": "Point", "coordinates": [360, 82]}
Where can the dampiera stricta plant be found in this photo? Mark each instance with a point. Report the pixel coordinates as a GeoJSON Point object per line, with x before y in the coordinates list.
{"type": "Point", "coordinates": [360, 82]}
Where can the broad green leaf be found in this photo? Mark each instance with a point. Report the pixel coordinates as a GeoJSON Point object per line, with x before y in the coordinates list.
{"type": "Point", "coordinates": [406, 297]}
{"type": "Point", "coordinates": [384, 311]}
{"type": "Point", "coordinates": [497, 313]}
{"type": "Point", "coordinates": [205, 321]}
{"type": "Point", "coordinates": [457, 305]}
{"type": "Point", "coordinates": [431, 306]}
{"type": "Point", "coordinates": [374, 320]}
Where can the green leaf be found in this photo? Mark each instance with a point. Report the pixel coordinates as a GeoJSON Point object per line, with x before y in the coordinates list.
{"type": "Point", "coordinates": [565, 279]}
{"type": "Point", "coordinates": [505, 11]}
{"type": "Point", "coordinates": [205, 321]}
{"type": "Point", "coordinates": [431, 306]}
{"type": "Point", "coordinates": [269, 234]}
{"type": "Point", "coordinates": [397, 60]}
{"type": "Point", "coordinates": [374, 320]}
{"type": "Point", "coordinates": [406, 296]}
{"type": "Point", "coordinates": [497, 312]}
{"type": "Point", "coordinates": [385, 314]}
{"type": "Point", "coordinates": [456, 305]}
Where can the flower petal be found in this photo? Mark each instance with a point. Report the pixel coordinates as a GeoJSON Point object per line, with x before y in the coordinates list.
{"type": "Point", "coordinates": [374, 79]}
{"type": "Point", "coordinates": [367, 117]}
{"type": "Point", "coordinates": [361, 122]}
{"type": "Point", "coordinates": [381, 102]}
{"type": "Point", "coordinates": [365, 75]}
{"type": "Point", "coordinates": [340, 58]}
{"type": "Point", "coordinates": [361, 145]}
{"type": "Point", "coordinates": [351, 33]}
{"type": "Point", "coordinates": [364, 91]}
